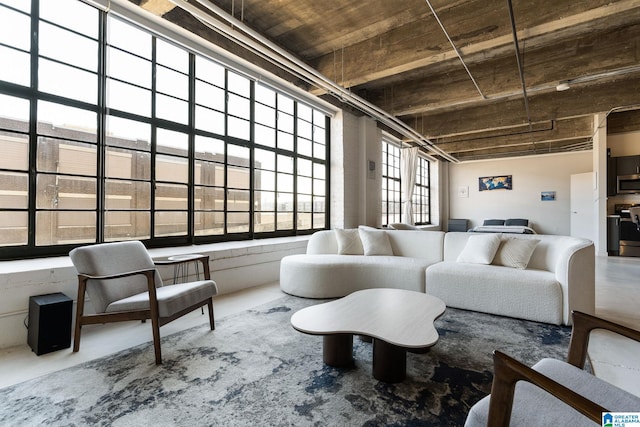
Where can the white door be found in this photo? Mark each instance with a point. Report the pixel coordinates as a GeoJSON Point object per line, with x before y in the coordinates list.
{"type": "Point", "coordinates": [582, 206]}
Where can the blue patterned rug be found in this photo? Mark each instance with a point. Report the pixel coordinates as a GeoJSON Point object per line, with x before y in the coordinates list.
{"type": "Point", "coordinates": [256, 370]}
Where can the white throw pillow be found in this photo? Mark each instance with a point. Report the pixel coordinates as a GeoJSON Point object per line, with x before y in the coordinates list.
{"type": "Point", "coordinates": [515, 253]}
{"type": "Point", "coordinates": [375, 242]}
{"type": "Point", "coordinates": [480, 249]}
{"type": "Point", "coordinates": [349, 242]}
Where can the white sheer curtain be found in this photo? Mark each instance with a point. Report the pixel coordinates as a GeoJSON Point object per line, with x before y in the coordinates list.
{"type": "Point", "coordinates": [408, 163]}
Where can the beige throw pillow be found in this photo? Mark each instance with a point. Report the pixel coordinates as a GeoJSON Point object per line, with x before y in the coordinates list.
{"type": "Point", "coordinates": [480, 249]}
{"type": "Point", "coordinates": [515, 253]}
{"type": "Point", "coordinates": [375, 242]}
{"type": "Point", "coordinates": [349, 242]}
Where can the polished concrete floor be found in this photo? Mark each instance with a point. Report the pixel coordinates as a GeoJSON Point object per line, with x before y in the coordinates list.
{"type": "Point", "coordinates": [617, 299]}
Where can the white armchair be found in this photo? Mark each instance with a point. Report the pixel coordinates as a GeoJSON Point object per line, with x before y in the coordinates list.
{"type": "Point", "coordinates": [123, 284]}
{"type": "Point", "coordinates": [553, 392]}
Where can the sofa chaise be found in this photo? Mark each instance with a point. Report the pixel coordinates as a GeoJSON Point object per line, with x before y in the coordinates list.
{"type": "Point", "coordinates": [556, 277]}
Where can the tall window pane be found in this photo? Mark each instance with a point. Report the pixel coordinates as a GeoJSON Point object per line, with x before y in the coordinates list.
{"type": "Point", "coordinates": [128, 184]}
{"type": "Point", "coordinates": [421, 193]}
{"type": "Point", "coordinates": [66, 175]}
{"type": "Point", "coordinates": [391, 196]}
{"type": "Point", "coordinates": [14, 171]}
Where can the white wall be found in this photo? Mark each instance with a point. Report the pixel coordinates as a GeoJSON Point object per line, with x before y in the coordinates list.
{"type": "Point", "coordinates": [531, 175]}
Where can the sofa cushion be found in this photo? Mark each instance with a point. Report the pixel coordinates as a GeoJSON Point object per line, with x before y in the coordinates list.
{"type": "Point", "coordinates": [515, 253]}
{"type": "Point", "coordinates": [375, 242]}
{"type": "Point", "coordinates": [480, 249]}
{"type": "Point", "coordinates": [333, 276]}
{"type": "Point", "coordinates": [525, 294]}
{"type": "Point", "coordinates": [349, 242]}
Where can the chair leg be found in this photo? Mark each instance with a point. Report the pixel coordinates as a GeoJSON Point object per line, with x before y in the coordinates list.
{"type": "Point", "coordinates": [78, 327]}
{"type": "Point", "coordinates": [155, 326]}
{"type": "Point", "coordinates": [76, 337]}
{"type": "Point", "coordinates": [211, 319]}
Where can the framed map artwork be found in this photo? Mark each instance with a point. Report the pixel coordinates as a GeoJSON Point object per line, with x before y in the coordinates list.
{"type": "Point", "coordinates": [502, 182]}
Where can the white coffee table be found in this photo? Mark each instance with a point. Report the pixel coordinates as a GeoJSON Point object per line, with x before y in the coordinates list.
{"type": "Point", "coordinates": [396, 319]}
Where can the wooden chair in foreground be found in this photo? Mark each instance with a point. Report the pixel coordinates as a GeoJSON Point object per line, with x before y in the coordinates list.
{"type": "Point", "coordinates": [123, 284]}
{"type": "Point", "coordinates": [554, 392]}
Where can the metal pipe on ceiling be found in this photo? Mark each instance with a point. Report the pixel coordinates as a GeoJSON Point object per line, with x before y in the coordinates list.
{"type": "Point", "coordinates": [455, 49]}
{"type": "Point", "coordinates": [520, 67]}
{"type": "Point", "coordinates": [255, 40]}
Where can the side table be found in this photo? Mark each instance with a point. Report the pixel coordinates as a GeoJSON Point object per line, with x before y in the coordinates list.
{"type": "Point", "coordinates": [181, 271]}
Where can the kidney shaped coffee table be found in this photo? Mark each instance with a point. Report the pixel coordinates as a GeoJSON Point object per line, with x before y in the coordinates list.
{"type": "Point", "coordinates": [396, 319]}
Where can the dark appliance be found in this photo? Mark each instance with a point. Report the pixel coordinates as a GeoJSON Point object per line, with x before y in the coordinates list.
{"type": "Point", "coordinates": [628, 184]}
{"type": "Point", "coordinates": [49, 322]}
{"type": "Point", "coordinates": [629, 231]}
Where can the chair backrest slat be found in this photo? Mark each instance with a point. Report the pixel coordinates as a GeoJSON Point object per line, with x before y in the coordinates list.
{"type": "Point", "coordinates": [113, 258]}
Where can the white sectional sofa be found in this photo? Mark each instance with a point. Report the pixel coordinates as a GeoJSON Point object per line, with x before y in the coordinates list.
{"type": "Point", "coordinates": [559, 277]}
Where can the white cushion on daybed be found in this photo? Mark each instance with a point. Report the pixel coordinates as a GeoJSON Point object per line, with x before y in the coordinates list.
{"type": "Point", "coordinates": [530, 294]}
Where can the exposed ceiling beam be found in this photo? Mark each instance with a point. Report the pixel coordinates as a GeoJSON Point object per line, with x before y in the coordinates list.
{"type": "Point", "coordinates": [578, 101]}
{"type": "Point", "coordinates": [409, 48]}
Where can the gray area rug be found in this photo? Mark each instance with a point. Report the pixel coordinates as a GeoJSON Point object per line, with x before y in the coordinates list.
{"type": "Point", "coordinates": [256, 370]}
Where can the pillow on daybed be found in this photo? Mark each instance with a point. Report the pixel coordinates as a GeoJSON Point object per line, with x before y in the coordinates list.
{"type": "Point", "coordinates": [515, 253]}
{"type": "Point", "coordinates": [493, 222]}
{"type": "Point", "coordinates": [375, 242]}
{"type": "Point", "coordinates": [480, 249]}
{"type": "Point", "coordinates": [517, 221]}
{"type": "Point", "coordinates": [349, 242]}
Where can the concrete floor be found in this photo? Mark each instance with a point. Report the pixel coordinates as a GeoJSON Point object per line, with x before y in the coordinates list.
{"type": "Point", "coordinates": [614, 359]}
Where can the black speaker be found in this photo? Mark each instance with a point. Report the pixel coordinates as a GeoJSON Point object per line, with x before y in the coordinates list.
{"type": "Point", "coordinates": [49, 322]}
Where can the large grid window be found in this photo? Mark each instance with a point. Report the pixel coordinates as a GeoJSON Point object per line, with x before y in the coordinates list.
{"type": "Point", "coordinates": [421, 193]}
{"type": "Point", "coordinates": [111, 133]}
{"type": "Point", "coordinates": [391, 193]}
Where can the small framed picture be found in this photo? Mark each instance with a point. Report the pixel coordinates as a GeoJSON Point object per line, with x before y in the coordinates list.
{"type": "Point", "coordinates": [548, 196]}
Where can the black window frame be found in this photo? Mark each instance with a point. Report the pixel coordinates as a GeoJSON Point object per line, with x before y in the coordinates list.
{"type": "Point", "coordinates": [102, 112]}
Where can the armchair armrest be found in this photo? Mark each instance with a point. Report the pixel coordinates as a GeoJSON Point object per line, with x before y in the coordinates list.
{"type": "Point", "coordinates": [583, 324]}
{"type": "Point", "coordinates": [149, 273]}
{"type": "Point", "coordinates": [508, 371]}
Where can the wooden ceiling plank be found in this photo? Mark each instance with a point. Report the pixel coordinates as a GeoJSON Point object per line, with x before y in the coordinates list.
{"type": "Point", "coordinates": [562, 130]}
{"type": "Point", "coordinates": [379, 57]}
{"type": "Point", "coordinates": [590, 56]}
{"type": "Point", "coordinates": [580, 100]}
{"type": "Point", "coordinates": [623, 122]}
{"type": "Point", "coordinates": [526, 149]}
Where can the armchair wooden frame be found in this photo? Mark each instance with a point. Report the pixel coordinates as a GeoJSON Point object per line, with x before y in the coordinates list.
{"type": "Point", "coordinates": [508, 371]}
{"type": "Point", "coordinates": [152, 313]}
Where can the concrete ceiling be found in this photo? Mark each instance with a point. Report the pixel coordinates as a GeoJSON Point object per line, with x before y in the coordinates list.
{"type": "Point", "coordinates": [453, 75]}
